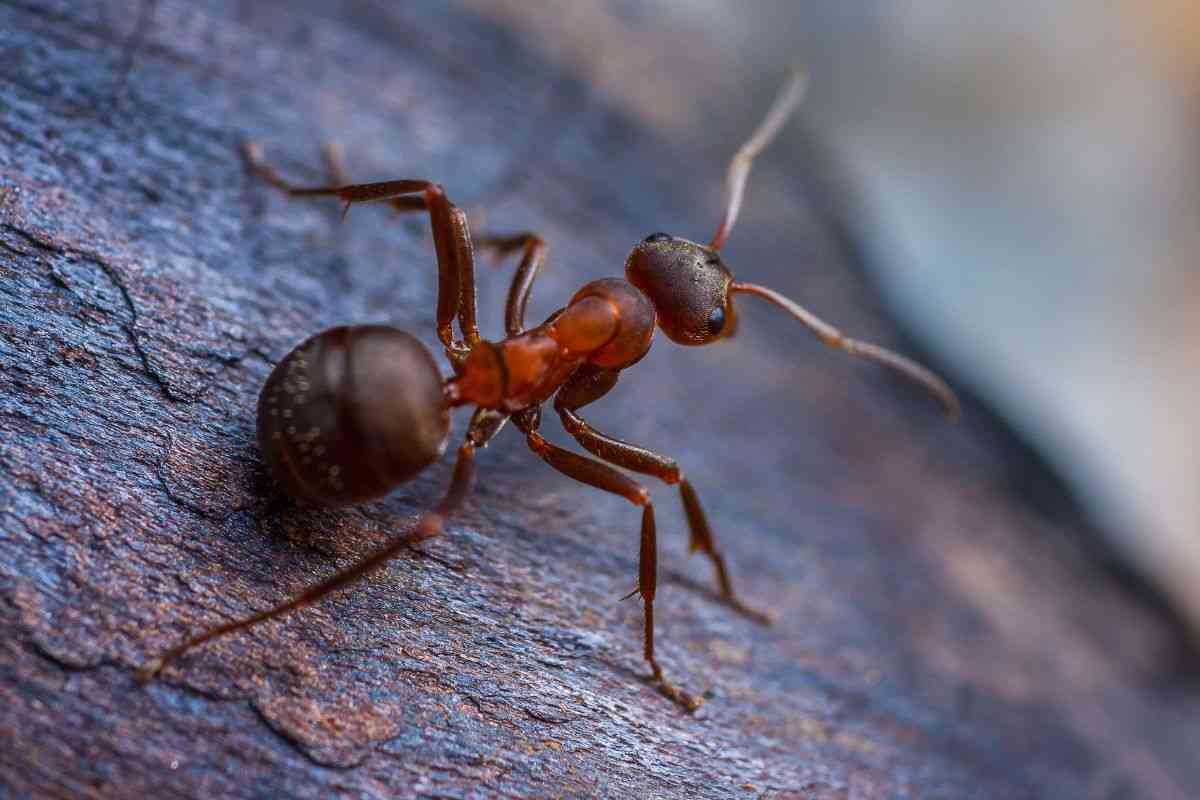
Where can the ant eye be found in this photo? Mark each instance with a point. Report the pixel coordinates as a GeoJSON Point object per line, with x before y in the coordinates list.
{"type": "Point", "coordinates": [716, 321]}
{"type": "Point", "coordinates": [657, 237]}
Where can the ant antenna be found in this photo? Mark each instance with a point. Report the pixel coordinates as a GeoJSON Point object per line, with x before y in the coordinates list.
{"type": "Point", "coordinates": [739, 168]}
{"type": "Point", "coordinates": [832, 337]}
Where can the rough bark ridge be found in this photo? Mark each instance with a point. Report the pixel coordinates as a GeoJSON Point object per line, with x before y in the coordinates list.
{"type": "Point", "coordinates": [937, 636]}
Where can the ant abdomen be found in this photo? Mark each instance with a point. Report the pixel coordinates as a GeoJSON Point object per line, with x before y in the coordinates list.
{"type": "Point", "coordinates": [351, 413]}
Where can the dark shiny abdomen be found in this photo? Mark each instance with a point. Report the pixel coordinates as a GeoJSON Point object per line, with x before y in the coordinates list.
{"type": "Point", "coordinates": [351, 413]}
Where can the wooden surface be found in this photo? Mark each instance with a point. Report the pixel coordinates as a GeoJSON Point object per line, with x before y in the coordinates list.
{"type": "Point", "coordinates": [940, 634]}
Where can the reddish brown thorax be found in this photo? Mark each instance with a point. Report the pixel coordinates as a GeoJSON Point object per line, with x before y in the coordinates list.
{"type": "Point", "coordinates": [608, 323]}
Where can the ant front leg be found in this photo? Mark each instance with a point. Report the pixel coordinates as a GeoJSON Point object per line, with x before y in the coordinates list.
{"type": "Point", "coordinates": [451, 238]}
{"type": "Point", "coordinates": [589, 384]}
{"type": "Point", "coordinates": [603, 477]}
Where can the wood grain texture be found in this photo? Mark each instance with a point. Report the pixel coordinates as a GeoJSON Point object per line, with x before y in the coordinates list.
{"type": "Point", "coordinates": [939, 635]}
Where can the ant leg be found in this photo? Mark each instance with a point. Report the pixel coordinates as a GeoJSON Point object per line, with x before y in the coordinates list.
{"type": "Point", "coordinates": [533, 255]}
{"type": "Point", "coordinates": [332, 156]}
{"type": "Point", "coordinates": [451, 238]}
{"type": "Point", "coordinates": [485, 424]}
{"type": "Point", "coordinates": [428, 526]}
{"type": "Point", "coordinates": [331, 153]}
{"type": "Point", "coordinates": [603, 477]}
{"type": "Point", "coordinates": [591, 383]}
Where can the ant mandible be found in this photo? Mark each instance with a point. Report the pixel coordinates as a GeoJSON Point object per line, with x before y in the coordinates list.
{"type": "Point", "coordinates": [355, 411]}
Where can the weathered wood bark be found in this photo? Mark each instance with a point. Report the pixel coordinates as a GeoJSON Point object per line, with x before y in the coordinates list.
{"type": "Point", "coordinates": [939, 635]}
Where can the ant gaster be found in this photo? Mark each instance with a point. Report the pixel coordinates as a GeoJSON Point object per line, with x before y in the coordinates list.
{"type": "Point", "coordinates": [355, 411]}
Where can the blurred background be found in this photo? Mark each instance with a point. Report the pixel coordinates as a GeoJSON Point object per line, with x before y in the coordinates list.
{"type": "Point", "coordinates": [1023, 180]}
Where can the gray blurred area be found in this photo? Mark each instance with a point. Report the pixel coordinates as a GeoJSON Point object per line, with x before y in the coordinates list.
{"type": "Point", "coordinates": [1030, 178]}
{"type": "Point", "coordinates": [1026, 179]}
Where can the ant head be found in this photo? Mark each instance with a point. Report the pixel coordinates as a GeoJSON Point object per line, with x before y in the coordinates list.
{"type": "Point", "coordinates": [692, 291]}
{"type": "Point", "coordinates": [687, 282]}
{"type": "Point", "coordinates": [689, 286]}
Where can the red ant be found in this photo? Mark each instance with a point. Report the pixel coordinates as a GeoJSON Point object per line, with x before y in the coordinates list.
{"type": "Point", "coordinates": [355, 411]}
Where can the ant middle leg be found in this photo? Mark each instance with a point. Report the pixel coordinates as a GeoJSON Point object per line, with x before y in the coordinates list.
{"type": "Point", "coordinates": [533, 255]}
{"type": "Point", "coordinates": [588, 385]}
{"type": "Point", "coordinates": [603, 477]}
{"type": "Point", "coordinates": [451, 238]}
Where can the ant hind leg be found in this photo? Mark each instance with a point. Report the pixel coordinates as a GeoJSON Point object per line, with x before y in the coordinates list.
{"type": "Point", "coordinates": [429, 525]}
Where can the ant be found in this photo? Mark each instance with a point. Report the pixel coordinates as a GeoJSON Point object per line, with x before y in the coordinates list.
{"type": "Point", "coordinates": [353, 412]}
